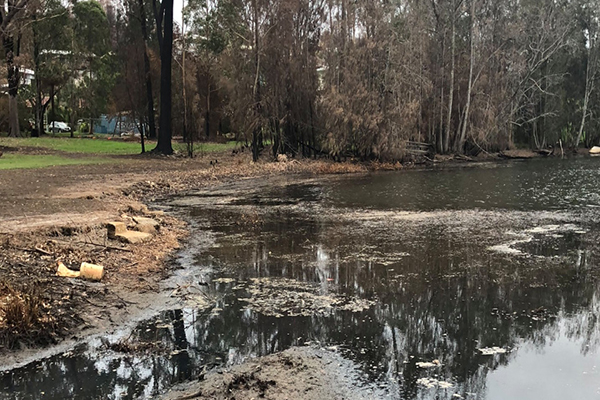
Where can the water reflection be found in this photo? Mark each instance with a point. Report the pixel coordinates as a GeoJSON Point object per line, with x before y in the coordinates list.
{"type": "Point", "coordinates": [545, 184]}
{"type": "Point", "coordinates": [441, 291]}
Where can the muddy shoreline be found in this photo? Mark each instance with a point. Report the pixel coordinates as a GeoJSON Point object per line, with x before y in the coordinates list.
{"type": "Point", "coordinates": [309, 373]}
{"type": "Point", "coordinates": [66, 310]}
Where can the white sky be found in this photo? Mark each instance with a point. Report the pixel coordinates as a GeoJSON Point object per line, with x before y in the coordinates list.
{"type": "Point", "coordinates": [177, 6]}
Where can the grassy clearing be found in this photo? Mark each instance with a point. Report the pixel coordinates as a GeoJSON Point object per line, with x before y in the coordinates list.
{"type": "Point", "coordinates": [21, 161]}
{"type": "Point", "coordinates": [103, 145]}
{"type": "Point", "coordinates": [95, 146]}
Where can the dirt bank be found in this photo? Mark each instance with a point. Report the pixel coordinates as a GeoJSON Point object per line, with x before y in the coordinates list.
{"type": "Point", "coordinates": [297, 373]}
{"type": "Point", "coordinates": [39, 308]}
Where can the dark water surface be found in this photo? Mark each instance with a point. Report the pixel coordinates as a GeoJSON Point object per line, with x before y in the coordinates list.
{"type": "Point", "coordinates": [453, 264]}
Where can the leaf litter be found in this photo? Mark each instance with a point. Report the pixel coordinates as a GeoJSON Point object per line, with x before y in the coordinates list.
{"type": "Point", "coordinates": [279, 297]}
{"type": "Point", "coordinates": [432, 383]}
{"type": "Point", "coordinates": [490, 351]}
{"type": "Point", "coordinates": [427, 364]}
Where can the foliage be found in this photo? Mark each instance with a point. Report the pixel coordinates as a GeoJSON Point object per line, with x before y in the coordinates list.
{"type": "Point", "coordinates": [92, 35]}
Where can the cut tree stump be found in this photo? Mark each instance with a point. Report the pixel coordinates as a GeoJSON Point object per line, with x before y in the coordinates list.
{"type": "Point", "coordinates": [133, 237]}
{"type": "Point", "coordinates": [114, 228]}
{"type": "Point", "coordinates": [147, 225]}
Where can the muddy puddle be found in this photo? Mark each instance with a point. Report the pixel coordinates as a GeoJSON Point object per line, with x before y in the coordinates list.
{"type": "Point", "coordinates": [477, 283]}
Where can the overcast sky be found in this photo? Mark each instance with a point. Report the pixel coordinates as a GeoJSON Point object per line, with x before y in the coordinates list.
{"type": "Point", "coordinates": [177, 6]}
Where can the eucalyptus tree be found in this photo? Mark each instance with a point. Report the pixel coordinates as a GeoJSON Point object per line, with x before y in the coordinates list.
{"type": "Point", "coordinates": [92, 52]}
{"type": "Point", "coordinates": [52, 51]}
{"type": "Point", "coordinates": [11, 14]}
{"type": "Point", "coordinates": [133, 93]}
{"type": "Point", "coordinates": [211, 25]}
{"type": "Point", "coordinates": [589, 19]}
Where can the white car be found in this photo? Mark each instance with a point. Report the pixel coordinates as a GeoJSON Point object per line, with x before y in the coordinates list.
{"type": "Point", "coordinates": [57, 126]}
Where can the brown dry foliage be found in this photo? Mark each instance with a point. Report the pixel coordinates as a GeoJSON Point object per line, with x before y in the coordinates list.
{"type": "Point", "coordinates": [25, 316]}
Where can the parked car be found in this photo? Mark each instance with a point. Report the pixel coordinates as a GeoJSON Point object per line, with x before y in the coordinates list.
{"type": "Point", "coordinates": [57, 126]}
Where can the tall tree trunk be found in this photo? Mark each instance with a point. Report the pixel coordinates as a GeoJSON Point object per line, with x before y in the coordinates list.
{"type": "Point", "coordinates": [583, 116]}
{"type": "Point", "coordinates": [187, 135]}
{"type": "Point", "coordinates": [38, 112]}
{"type": "Point", "coordinates": [149, 96]}
{"type": "Point", "coordinates": [257, 109]}
{"type": "Point", "coordinates": [446, 144]}
{"type": "Point", "coordinates": [440, 135]}
{"type": "Point", "coordinates": [166, 55]}
{"type": "Point", "coordinates": [52, 109]}
{"type": "Point", "coordinates": [207, 116]}
{"type": "Point", "coordinates": [590, 76]}
{"type": "Point", "coordinates": [13, 86]}
{"type": "Point", "coordinates": [39, 109]}
{"type": "Point", "coordinates": [463, 134]}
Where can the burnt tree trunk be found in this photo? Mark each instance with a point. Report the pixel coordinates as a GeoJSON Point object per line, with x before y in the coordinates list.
{"type": "Point", "coordinates": [39, 110]}
{"type": "Point", "coordinates": [52, 109]}
{"type": "Point", "coordinates": [257, 108]}
{"type": "Point", "coordinates": [166, 56]}
{"type": "Point", "coordinates": [207, 116]}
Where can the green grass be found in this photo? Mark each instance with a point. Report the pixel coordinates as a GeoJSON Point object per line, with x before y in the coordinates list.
{"type": "Point", "coordinates": [20, 161]}
{"type": "Point", "coordinates": [101, 145]}
{"type": "Point", "coordinates": [95, 146]}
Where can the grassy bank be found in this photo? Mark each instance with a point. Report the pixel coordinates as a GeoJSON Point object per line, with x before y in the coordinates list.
{"type": "Point", "coordinates": [21, 152]}
{"type": "Point", "coordinates": [107, 145]}
{"type": "Point", "coordinates": [21, 161]}
{"type": "Point", "coordinates": [75, 145]}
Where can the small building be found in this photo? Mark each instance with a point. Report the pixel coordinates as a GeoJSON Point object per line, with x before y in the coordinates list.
{"type": "Point", "coordinates": [117, 124]}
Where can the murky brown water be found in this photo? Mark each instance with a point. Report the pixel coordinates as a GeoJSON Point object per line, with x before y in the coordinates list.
{"type": "Point", "coordinates": [476, 283]}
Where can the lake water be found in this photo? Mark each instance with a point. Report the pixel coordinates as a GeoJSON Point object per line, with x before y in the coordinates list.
{"type": "Point", "coordinates": [474, 283]}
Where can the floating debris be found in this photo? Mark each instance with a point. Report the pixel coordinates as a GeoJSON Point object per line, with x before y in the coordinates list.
{"type": "Point", "coordinates": [432, 364]}
{"type": "Point", "coordinates": [544, 229]}
{"type": "Point", "coordinates": [377, 257]}
{"type": "Point", "coordinates": [224, 280]}
{"type": "Point", "coordinates": [490, 351]}
{"type": "Point", "coordinates": [525, 237]}
{"type": "Point", "coordinates": [505, 248]}
{"type": "Point", "coordinates": [432, 383]}
{"type": "Point", "coordinates": [279, 297]}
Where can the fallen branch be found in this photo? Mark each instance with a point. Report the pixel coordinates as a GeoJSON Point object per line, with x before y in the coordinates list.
{"type": "Point", "coordinates": [462, 157]}
{"type": "Point", "coordinates": [34, 249]}
{"type": "Point", "coordinates": [43, 251]}
{"type": "Point", "coordinates": [108, 247]}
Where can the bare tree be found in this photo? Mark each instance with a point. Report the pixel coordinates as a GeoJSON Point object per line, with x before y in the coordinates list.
{"type": "Point", "coordinates": [591, 27]}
